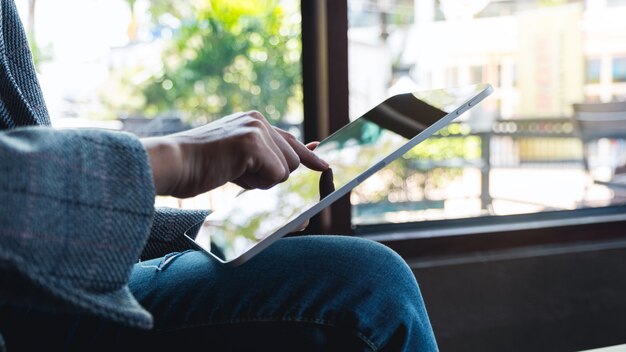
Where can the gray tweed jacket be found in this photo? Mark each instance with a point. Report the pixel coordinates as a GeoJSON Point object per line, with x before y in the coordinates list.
{"type": "Point", "coordinates": [76, 206]}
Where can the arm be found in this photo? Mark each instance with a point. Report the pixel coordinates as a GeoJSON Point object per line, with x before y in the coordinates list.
{"type": "Point", "coordinates": [76, 208]}
{"type": "Point", "coordinates": [242, 148]}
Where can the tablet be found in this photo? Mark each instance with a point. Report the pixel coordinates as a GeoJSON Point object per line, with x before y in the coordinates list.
{"type": "Point", "coordinates": [256, 218]}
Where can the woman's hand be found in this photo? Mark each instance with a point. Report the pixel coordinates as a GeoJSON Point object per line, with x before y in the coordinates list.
{"type": "Point", "coordinates": [242, 148]}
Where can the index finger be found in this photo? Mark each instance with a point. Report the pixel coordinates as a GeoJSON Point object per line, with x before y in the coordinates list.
{"type": "Point", "coordinates": [307, 157]}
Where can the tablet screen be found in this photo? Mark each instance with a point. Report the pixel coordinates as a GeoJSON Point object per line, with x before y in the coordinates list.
{"type": "Point", "coordinates": [354, 152]}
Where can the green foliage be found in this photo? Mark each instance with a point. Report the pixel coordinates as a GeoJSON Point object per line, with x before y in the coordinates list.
{"type": "Point", "coordinates": [39, 54]}
{"type": "Point", "coordinates": [428, 167]}
{"type": "Point", "coordinates": [455, 144]}
{"type": "Point", "coordinates": [223, 57]}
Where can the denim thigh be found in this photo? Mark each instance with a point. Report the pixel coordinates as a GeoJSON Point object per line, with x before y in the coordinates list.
{"type": "Point", "coordinates": [307, 293]}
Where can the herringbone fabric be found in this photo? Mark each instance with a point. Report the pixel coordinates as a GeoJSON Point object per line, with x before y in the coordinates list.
{"type": "Point", "coordinates": [22, 103]}
{"type": "Point", "coordinates": [76, 206]}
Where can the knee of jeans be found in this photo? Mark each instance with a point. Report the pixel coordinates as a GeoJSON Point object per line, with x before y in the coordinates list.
{"type": "Point", "coordinates": [392, 276]}
{"type": "Point", "coordinates": [393, 270]}
{"type": "Point", "coordinates": [375, 267]}
{"type": "Point", "coordinates": [393, 292]}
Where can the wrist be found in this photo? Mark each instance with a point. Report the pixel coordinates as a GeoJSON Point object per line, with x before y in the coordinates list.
{"type": "Point", "coordinates": [164, 157]}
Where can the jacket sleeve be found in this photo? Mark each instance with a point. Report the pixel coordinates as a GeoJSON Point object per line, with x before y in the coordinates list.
{"type": "Point", "coordinates": [168, 228]}
{"type": "Point", "coordinates": [76, 208]}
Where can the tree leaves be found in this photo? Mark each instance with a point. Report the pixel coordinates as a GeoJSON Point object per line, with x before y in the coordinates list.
{"type": "Point", "coordinates": [223, 57]}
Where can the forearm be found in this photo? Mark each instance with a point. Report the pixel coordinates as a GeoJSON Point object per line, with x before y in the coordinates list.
{"type": "Point", "coordinates": [165, 159]}
{"type": "Point", "coordinates": [242, 148]}
{"type": "Point", "coordinates": [75, 208]}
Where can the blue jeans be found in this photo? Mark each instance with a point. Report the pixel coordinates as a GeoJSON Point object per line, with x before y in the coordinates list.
{"type": "Point", "coordinates": [308, 293]}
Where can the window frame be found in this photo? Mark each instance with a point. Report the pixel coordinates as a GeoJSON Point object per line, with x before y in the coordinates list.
{"type": "Point", "coordinates": [325, 90]}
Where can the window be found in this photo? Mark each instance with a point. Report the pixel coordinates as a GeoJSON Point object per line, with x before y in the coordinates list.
{"type": "Point", "coordinates": [619, 69]}
{"type": "Point", "coordinates": [154, 67]}
{"type": "Point", "coordinates": [517, 152]}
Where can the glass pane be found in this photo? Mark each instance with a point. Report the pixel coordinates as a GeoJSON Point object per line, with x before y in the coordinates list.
{"type": "Point", "coordinates": [518, 151]}
{"type": "Point", "coordinates": [153, 67]}
{"type": "Point", "coordinates": [619, 69]}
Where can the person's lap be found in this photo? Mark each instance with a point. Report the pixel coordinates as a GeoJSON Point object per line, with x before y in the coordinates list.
{"type": "Point", "coordinates": [302, 293]}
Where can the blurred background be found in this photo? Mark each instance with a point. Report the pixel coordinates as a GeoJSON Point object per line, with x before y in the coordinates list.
{"type": "Point", "coordinates": [157, 67]}
{"type": "Point", "coordinates": [153, 67]}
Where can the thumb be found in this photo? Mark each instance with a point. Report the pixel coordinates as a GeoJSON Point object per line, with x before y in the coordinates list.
{"type": "Point", "coordinates": [312, 145]}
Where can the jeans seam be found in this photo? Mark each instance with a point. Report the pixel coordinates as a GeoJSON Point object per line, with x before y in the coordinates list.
{"type": "Point", "coordinates": [318, 321]}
